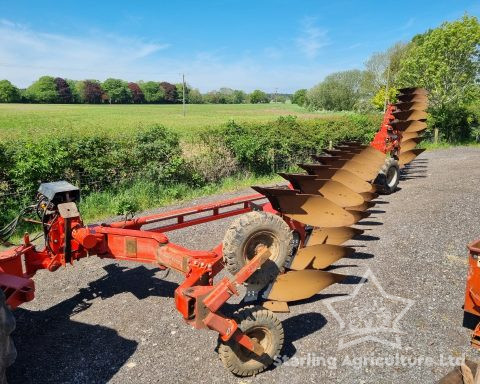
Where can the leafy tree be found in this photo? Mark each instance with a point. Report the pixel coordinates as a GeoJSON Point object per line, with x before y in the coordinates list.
{"type": "Point", "coordinates": [225, 95]}
{"type": "Point", "coordinates": [195, 97]}
{"type": "Point", "coordinates": [212, 97]}
{"type": "Point", "coordinates": [378, 100]}
{"type": "Point", "coordinates": [76, 90]}
{"type": "Point", "coordinates": [92, 92]}
{"type": "Point", "coordinates": [8, 92]}
{"type": "Point", "coordinates": [299, 97]}
{"type": "Point", "coordinates": [445, 60]}
{"type": "Point", "coordinates": [383, 66]}
{"type": "Point", "coordinates": [258, 96]}
{"type": "Point", "coordinates": [340, 91]}
{"type": "Point", "coordinates": [117, 91]}
{"type": "Point", "coordinates": [63, 91]}
{"type": "Point", "coordinates": [137, 94]}
{"type": "Point", "coordinates": [44, 90]}
{"type": "Point", "coordinates": [179, 87]}
{"type": "Point", "coordinates": [152, 91]}
{"type": "Point", "coordinates": [239, 97]}
{"type": "Point", "coordinates": [170, 90]}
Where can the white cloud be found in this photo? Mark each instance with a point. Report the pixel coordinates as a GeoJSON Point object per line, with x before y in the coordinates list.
{"type": "Point", "coordinates": [312, 38]}
{"type": "Point", "coordinates": [26, 54]}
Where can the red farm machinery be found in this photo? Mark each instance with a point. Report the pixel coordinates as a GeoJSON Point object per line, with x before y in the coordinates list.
{"type": "Point", "coordinates": [277, 247]}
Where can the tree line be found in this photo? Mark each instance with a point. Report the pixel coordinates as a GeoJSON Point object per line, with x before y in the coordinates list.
{"type": "Point", "coordinates": [444, 60]}
{"type": "Point", "coordinates": [48, 89]}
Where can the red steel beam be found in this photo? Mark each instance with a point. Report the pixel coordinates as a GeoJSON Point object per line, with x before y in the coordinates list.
{"type": "Point", "coordinates": [180, 215]}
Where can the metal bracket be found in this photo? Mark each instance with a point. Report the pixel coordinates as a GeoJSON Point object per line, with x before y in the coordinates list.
{"type": "Point", "coordinates": [68, 210]}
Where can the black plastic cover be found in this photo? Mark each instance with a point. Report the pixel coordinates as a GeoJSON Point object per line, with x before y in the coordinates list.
{"type": "Point", "coordinates": [59, 192]}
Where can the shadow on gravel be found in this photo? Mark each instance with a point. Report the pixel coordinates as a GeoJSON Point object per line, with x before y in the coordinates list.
{"type": "Point", "coordinates": [366, 238]}
{"type": "Point", "coordinates": [416, 166]}
{"type": "Point", "coordinates": [52, 348]}
{"type": "Point", "coordinates": [372, 211]}
{"type": "Point", "coordinates": [360, 255]}
{"type": "Point", "coordinates": [412, 178]}
{"type": "Point", "coordinates": [310, 322]}
{"type": "Point", "coordinates": [352, 280]}
{"type": "Point", "coordinates": [369, 223]}
{"type": "Point", "coordinates": [338, 266]}
{"type": "Point", "coordinates": [414, 173]}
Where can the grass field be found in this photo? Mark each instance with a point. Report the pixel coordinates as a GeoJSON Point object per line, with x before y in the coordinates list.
{"type": "Point", "coordinates": [20, 120]}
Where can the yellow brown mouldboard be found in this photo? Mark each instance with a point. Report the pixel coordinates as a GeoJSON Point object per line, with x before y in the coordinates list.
{"type": "Point", "coordinates": [300, 285]}
{"type": "Point", "coordinates": [308, 209]}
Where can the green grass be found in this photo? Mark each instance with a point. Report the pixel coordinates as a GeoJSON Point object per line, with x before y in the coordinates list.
{"type": "Point", "coordinates": [21, 120]}
{"type": "Point", "coordinates": [430, 146]}
{"type": "Point", "coordinates": [146, 195]}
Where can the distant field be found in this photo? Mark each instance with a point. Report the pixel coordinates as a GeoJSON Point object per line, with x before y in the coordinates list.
{"type": "Point", "coordinates": [20, 120]}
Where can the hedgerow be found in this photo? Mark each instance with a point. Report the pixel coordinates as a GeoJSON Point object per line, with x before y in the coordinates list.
{"type": "Point", "coordinates": [159, 156]}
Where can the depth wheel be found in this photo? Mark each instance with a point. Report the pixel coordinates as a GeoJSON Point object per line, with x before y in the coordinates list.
{"type": "Point", "coordinates": [8, 353]}
{"type": "Point", "coordinates": [261, 325]}
{"type": "Point", "coordinates": [388, 177]}
{"type": "Point", "coordinates": [248, 235]}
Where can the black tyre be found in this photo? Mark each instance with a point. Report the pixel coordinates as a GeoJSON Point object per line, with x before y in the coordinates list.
{"type": "Point", "coordinates": [8, 353]}
{"type": "Point", "coordinates": [388, 177]}
{"type": "Point", "coordinates": [261, 325]}
{"type": "Point", "coordinates": [248, 234]}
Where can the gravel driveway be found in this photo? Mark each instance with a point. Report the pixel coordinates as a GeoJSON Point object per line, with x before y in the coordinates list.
{"type": "Point", "coordinates": [103, 321]}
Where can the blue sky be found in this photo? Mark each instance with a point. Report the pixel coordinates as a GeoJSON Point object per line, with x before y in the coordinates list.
{"type": "Point", "coordinates": [284, 45]}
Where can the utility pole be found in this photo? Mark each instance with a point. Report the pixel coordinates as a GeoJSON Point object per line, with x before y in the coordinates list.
{"type": "Point", "coordinates": [276, 90]}
{"type": "Point", "coordinates": [183, 91]}
{"type": "Point", "coordinates": [386, 88]}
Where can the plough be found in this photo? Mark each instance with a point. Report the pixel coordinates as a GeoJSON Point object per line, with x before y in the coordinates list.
{"type": "Point", "coordinates": [278, 246]}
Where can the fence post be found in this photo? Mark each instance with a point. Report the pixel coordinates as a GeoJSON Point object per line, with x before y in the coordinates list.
{"type": "Point", "coordinates": [435, 139]}
{"type": "Point", "coordinates": [330, 144]}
